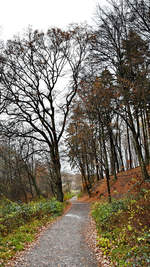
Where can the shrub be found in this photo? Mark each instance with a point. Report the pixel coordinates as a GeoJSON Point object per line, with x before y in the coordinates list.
{"type": "Point", "coordinates": [68, 195]}
{"type": "Point", "coordinates": [20, 222]}
{"type": "Point", "coordinates": [123, 229]}
{"type": "Point", "coordinates": [15, 215]}
{"type": "Point", "coordinates": [102, 213]}
{"type": "Point", "coordinates": [80, 194]}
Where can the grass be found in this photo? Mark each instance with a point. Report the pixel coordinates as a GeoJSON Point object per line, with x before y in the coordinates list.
{"type": "Point", "coordinates": [124, 230]}
{"type": "Point", "coordinates": [20, 223]}
{"type": "Point", "coordinates": [19, 238]}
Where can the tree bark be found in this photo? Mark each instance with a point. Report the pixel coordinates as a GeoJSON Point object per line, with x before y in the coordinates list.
{"type": "Point", "coordinates": [108, 184]}
{"type": "Point", "coordinates": [144, 171]}
{"type": "Point", "coordinates": [57, 167]}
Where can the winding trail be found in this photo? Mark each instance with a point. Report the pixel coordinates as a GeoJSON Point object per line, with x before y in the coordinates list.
{"type": "Point", "coordinates": [63, 243]}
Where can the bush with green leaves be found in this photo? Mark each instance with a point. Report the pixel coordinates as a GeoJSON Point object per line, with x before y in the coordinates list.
{"type": "Point", "coordinates": [13, 215]}
{"type": "Point", "coordinates": [102, 213]}
{"type": "Point", "coordinates": [123, 230]}
{"type": "Point", "coordinates": [69, 195]}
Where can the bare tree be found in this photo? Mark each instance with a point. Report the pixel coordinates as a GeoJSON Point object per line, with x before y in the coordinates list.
{"type": "Point", "coordinates": [35, 67]}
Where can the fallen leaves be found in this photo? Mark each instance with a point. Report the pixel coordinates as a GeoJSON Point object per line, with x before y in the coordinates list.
{"type": "Point", "coordinates": [91, 239]}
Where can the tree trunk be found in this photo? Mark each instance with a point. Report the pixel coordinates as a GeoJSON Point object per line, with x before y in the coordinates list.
{"type": "Point", "coordinates": [96, 161]}
{"type": "Point", "coordinates": [38, 191]}
{"type": "Point", "coordinates": [85, 180]}
{"type": "Point", "coordinates": [147, 114]}
{"type": "Point", "coordinates": [121, 167]}
{"type": "Point", "coordinates": [129, 149]}
{"type": "Point", "coordinates": [107, 170]}
{"type": "Point", "coordinates": [57, 169]}
{"type": "Point", "coordinates": [97, 168]}
{"type": "Point", "coordinates": [108, 184]}
{"type": "Point", "coordinates": [30, 186]}
{"type": "Point", "coordinates": [138, 149]}
{"type": "Point", "coordinates": [144, 172]}
{"type": "Point", "coordinates": [113, 165]}
{"type": "Point", "coordinates": [59, 191]}
{"type": "Point", "coordinates": [145, 137]}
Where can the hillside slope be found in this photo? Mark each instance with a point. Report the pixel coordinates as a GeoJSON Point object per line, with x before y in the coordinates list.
{"type": "Point", "coordinates": [128, 182]}
{"type": "Point", "coordinates": [123, 227]}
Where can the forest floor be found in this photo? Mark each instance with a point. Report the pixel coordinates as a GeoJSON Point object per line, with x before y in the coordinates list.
{"type": "Point", "coordinates": [127, 183]}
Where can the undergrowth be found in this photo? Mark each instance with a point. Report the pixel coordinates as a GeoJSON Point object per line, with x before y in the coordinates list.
{"type": "Point", "coordinates": [69, 195]}
{"type": "Point", "coordinates": [19, 223]}
{"type": "Point", "coordinates": [80, 194]}
{"type": "Point", "coordinates": [124, 230]}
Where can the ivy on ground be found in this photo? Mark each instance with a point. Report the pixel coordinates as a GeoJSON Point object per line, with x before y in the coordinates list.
{"type": "Point", "coordinates": [124, 230]}
{"type": "Point", "coordinates": [19, 223]}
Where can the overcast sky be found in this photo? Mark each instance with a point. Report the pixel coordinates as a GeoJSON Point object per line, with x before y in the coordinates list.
{"type": "Point", "coordinates": [17, 15]}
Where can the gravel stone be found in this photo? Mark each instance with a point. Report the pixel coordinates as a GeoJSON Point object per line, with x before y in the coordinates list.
{"type": "Point", "coordinates": [63, 243]}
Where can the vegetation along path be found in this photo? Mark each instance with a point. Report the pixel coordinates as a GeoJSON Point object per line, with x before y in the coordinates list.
{"type": "Point", "coordinates": [63, 243]}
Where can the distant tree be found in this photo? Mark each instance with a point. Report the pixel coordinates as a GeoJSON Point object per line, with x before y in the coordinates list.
{"type": "Point", "coordinates": [79, 145]}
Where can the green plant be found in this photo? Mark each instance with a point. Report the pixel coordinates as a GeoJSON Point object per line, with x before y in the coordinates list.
{"type": "Point", "coordinates": [69, 195]}
{"type": "Point", "coordinates": [80, 194]}
{"type": "Point", "coordinates": [15, 215]}
{"type": "Point", "coordinates": [102, 213]}
{"type": "Point", "coordinates": [20, 222]}
{"type": "Point", "coordinates": [123, 230]}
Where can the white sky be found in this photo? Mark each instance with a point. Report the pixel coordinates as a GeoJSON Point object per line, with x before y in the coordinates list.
{"type": "Point", "coordinates": [17, 15]}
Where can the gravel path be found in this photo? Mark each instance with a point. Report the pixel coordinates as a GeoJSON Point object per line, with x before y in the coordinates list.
{"type": "Point", "coordinates": [63, 243]}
